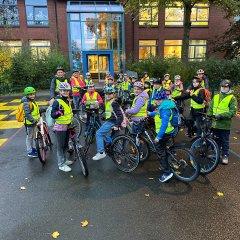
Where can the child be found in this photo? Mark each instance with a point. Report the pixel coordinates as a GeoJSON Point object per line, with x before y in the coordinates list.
{"type": "Point", "coordinates": [62, 113]}
{"type": "Point", "coordinates": [157, 86]}
{"type": "Point", "coordinates": [126, 86]}
{"type": "Point", "coordinates": [164, 130]}
{"type": "Point", "coordinates": [31, 118]}
{"type": "Point", "coordinates": [114, 120]}
{"type": "Point", "coordinates": [224, 107]}
{"type": "Point", "coordinates": [91, 100]}
{"type": "Point", "coordinates": [167, 84]}
{"type": "Point", "coordinates": [88, 78]}
{"type": "Point", "coordinates": [147, 88]}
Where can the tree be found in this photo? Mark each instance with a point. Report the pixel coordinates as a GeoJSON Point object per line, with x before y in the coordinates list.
{"type": "Point", "coordinates": [231, 8]}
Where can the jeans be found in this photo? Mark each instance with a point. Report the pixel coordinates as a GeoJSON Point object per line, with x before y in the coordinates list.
{"type": "Point", "coordinates": [101, 134]}
{"type": "Point", "coordinates": [76, 101]}
{"type": "Point", "coordinates": [222, 139]}
{"type": "Point", "coordinates": [29, 138]}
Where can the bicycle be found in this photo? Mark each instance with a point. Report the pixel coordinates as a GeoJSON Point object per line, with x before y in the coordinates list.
{"type": "Point", "coordinates": [205, 148]}
{"type": "Point", "coordinates": [78, 150]}
{"type": "Point", "coordinates": [42, 140]}
{"type": "Point", "coordinates": [77, 122]}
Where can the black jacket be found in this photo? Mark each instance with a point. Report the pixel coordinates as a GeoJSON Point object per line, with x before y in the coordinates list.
{"type": "Point", "coordinates": [116, 108]}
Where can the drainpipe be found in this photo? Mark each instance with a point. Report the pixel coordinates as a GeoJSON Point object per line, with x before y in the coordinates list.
{"type": "Point", "coordinates": [56, 21]}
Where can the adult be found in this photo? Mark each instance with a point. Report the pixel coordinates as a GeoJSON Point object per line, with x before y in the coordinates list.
{"type": "Point", "coordinates": [204, 81]}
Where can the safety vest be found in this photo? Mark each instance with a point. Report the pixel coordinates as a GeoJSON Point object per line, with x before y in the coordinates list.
{"type": "Point", "coordinates": [197, 105]}
{"type": "Point", "coordinates": [108, 109]}
{"type": "Point", "coordinates": [158, 123]}
{"type": "Point", "coordinates": [91, 101]}
{"type": "Point", "coordinates": [74, 89]}
{"type": "Point", "coordinates": [125, 85]}
{"type": "Point", "coordinates": [57, 83]}
{"type": "Point", "coordinates": [203, 83]}
{"type": "Point", "coordinates": [167, 84]}
{"type": "Point", "coordinates": [35, 114]}
{"type": "Point", "coordinates": [143, 110]}
{"type": "Point", "coordinates": [153, 93]}
{"type": "Point", "coordinates": [68, 114]}
{"type": "Point", "coordinates": [222, 106]}
{"type": "Point", "coordinates": [176, 92]}
{"type": "Point", "coordinates": [87, 81]}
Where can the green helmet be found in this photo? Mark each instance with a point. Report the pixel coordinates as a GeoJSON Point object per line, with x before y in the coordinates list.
{"type": "Point", "coordinates": [29, 90]}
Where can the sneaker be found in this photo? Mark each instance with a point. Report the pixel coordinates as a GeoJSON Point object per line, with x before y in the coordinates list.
{"type": "Point", "coordinates": [165, 177]}
{"type": "Point", "coordinates": [32, 154]}
{"type": "Point", "coordinates": [34, 150]}
{"type": "Point", "coordinates": [65, 168]}
{"type": "Point", "coordinates": [68, 162]}
{"type": "Point", "coordinates": [99, 156]}
{"type": "Point", "coordinates": [188, 135]}
{"type": "Point", "coordinates": [225, 160]}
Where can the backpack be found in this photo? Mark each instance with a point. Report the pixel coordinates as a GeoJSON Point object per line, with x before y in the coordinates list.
{"type": "Point", "coordinates": [50, 121]}
{"type": "Point", "coordinates": [176, 119]}
{"type": "Point", "coordinates": [124, 122]}
{"type": "Point", "coordinates": [20, 112]}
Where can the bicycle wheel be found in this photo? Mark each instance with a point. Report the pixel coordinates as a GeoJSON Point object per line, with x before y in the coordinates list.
{"type": "Point", "coordinates": [82, 159]}
{"type": "Point", "coordinates": [89, 138]}
{"type": "Point", "coordinates": [78, 126]}
{"type": "Point", "coordinates": [183, 164]}
{"type": "Point", "coordinates": [82, 114]}
{"type": "Point", "coordinates": [47, 136]}
{"type": "Point", "coordinates": [125, 153]}
{"type": "Point", "coordinates": [207, 154]}
{"type": "Point", "coordinates": [41, 150]}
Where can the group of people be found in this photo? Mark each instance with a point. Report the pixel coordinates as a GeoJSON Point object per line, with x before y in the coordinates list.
{"type": "Point", "coordinates": [152, 97]}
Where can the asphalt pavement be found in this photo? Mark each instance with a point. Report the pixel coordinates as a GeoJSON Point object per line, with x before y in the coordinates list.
{"type": "Point", "coordinates": [117, 205]}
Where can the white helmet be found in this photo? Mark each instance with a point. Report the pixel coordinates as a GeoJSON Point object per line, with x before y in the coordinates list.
{"type": "Point", "coordinates": [177, 77]}
{"type": "Point", "coordinates": [200, 71]}
{"type": "Point", "coordinates": [64, 86]}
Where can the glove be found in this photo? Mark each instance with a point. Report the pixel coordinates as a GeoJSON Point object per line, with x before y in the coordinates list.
{"type": "Point", "coordinates": [219, 116]}
{"type": "Point", "coordinates": [59, 113]}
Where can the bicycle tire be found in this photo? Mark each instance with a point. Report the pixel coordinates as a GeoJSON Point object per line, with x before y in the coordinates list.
{"type": "Point", "coordinates": [82, 160]}
{"type": "Point", "coordinates": [82, 114]}
{"type": "Point", "coordinates": [125, 153]}
{"type": "Point", "coordinates": [183, 164]}
{"type": "Point", "coordinates": [47, 136]}
{"type": "Point", "coordinates": [41, 151]}
{"type": "Point", "coordinates": [88, 139]}
{"type": "Point", "coordinates": [78, 126]}
{"type": "Point", "coordinates": [207, 154]}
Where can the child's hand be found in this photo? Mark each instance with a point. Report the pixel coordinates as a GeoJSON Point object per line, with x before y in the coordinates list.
{"type": "Point", "coordinates": [191, 92]}
{"type": "Point", "coordinates": [115, 128]}
{"type": "Point", "coordinates": [38, 124]}
{"type": "Point", "coordinates": [156, 140]}
{"type": "Point", "coordinates": [59, 113]}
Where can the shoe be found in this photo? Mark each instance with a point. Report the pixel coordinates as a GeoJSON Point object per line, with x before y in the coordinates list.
{"type": "Point", "coordinates": [99, 156]}
{"type": "Point", "coordinates": [165, 177]}
{"type": "Point", "coordinates": [188, 135]}
{"type": "Point", "coordinates": [34, 150]}
{"type": "Point", "coordinates": [65, 168]}
{"type": "Point", "coordinates": [68, 162]}
{"type": "Point", "coordinates": [32, 154]}
{"type": "Point", "coordinates": [225, 160]}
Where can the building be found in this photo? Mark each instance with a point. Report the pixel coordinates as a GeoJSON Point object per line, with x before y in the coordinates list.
{"type": "Point", "coordinates": [97, 35]}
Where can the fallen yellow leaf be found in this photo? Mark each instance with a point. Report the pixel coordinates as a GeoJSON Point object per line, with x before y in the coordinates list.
{"type": "Point", "coordinates": [220, 194]}
{"type": "Point", "coordinates": [235, 138]}
{"type": "Point", "coordinates": [84, 223]}
{"type": "Point", "coordinates": [71, 176]}
{"type": "Point", "coordinates": [181, 130]}
{"type": "Point", "coordinates": [55, 235]}
{"type": "Point", "coordinates": [147, 195]}
{"type": "Point", "coordinates": [23, 188]}
{"type": "Point", "coordinates": [151, 178]}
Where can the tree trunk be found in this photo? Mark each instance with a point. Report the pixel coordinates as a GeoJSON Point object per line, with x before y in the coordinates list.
{"type": "Point", "coordinates": [187, 29]}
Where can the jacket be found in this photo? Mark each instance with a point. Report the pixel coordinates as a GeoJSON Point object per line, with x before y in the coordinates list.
{"type": "Point", "coordinates": [56, 105]}
{"type": "Point", "coordinates": [116, 108]}
{"type": "Point", "coordinates": [53, 94]}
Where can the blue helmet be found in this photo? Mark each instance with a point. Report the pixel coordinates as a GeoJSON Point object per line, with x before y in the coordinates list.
{"type": "Point", "coordinates": [159, 95]}
{"type": "Point", "coordinates": [109, 89]}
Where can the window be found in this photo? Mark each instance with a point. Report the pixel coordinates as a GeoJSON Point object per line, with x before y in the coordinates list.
{"type": "Point", "coordinates": [13, 46]}
{"type": "Point", "coordinates": [173, 48]}
{"type": "Point", "coordinates": [39, 48]}
{"type": "Point", "coordinates": [148, 15]}
{"type": "Point", "coordinates": [37, 12]}
{"type": "Point", "coordinates": [9, 13]}
{"type": "Point", "coordinates": [197, 50]}
{"type": "Point", "coordinates": [147, 48]}
{"type": "Point", "coordinates": [174, 15]}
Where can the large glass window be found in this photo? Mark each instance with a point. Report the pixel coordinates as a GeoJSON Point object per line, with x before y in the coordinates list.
{"type": "Point", "coordinates": [148, 15]}
{"type": "Point", "coordinates": [39, 48]}
{"type": "Point", "coordinates": [173, 48]}
{"type": "Point", "coordinates": [37, 12]}
{"type": "Point", "coordinates": [147, 48]}
{"type": "Point", "coordinates": [197, 50]}
{"type": "Point", "coordinates": [9, 13]}
{"type": "Point", "coordinates": [174, 15]}
{"type": "Point", "coordinates": [13, 46]}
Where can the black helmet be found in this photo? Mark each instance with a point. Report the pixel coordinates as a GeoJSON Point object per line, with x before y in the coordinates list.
{"type": "Point", "coordinates": [226, 83]}
{"type": "Point", "coordinates": [156, 81]}
{"type": "Point", "coordinates": [59, 68]}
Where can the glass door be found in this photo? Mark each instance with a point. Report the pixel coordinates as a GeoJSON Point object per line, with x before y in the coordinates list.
{"type": "Point", "coordinates": [103, 66]}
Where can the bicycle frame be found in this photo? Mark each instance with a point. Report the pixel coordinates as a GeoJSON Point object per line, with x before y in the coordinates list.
{"type": "Point", "coordinates": [41, 128]}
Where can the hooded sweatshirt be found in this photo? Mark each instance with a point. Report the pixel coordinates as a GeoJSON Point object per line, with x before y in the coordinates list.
{"type": "Point", "coordinates": [164, 110]}
{"type": "Point", "coordinates": [226, 122]}
{"type": "Point", "coordinates": [142, 97]}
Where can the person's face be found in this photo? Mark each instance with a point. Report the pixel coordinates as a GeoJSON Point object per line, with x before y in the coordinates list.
{"type": "Point", "coordinates": [91, 89]}
{"type": "Point", "coordinates": [158, 102]}
{"type": "Point", "coordinates": [88, 76]}
{"type": "Point", "coordinates": [137, 91]}
{"type": "Point", "coordinates": [134, 80]}
{"type": "Point", "coordinates": [146, 86]}
{"type": "Point", "coordinates": [109, 96]}
{"type": "Point", "coordinates": [125, 77]}
{"type": "Point", "coordinates": [195, 83]}
{"type": "Point", "coordinates": [110, 81]}
{"type": "Point", "coordinates": [166, 78]}
{"type": "Point", "coordinates": [76, 74]}
{"type": "Point", "coordinates": [60, 73]}
{"type": "Point", "coordinates": [156, 85]}
{"type": "Point", "coordinates": [64, 93]}
{"type": "Point", "coordinates": [32, 96]}
{"type": "Point", "coordinates": [146, 75]}
{"type": "Point", "coordinates": [225, 89]}
{"type": "Point", "coordinates": [200, 75]}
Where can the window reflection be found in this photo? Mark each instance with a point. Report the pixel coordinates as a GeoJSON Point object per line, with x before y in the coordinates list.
{"type": "Point", "coordinates": [12, 46]}
{"type": "Point", "coordinates": [147, 48]}
{"type": "Point", "coordinates": [39, 48]}
{"type": "Point", "coordinates": [148, 15]}
{"type": "Point", "coordinates": [197, 50]}
{"type": "Point", "coordinates": [172, 48]}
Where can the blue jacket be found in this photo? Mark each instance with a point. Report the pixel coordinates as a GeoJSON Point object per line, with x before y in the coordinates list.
{"type": "Point", "coordinates": [165, 113]}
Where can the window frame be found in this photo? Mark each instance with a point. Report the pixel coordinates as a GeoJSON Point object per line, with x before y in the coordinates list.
{"type": "Point", "coordinates": [4, 45]}
{"type": "Point", "coordinates": [149, 23]}
{"type": "Point", "coordinates": [38, 55]}
{"type": "Point", "coordinates": [195, 47]}
{"type": "Point", "coordinates": [145, 46]}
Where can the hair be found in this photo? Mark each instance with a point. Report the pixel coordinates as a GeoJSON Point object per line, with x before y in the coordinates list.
{"type": "Point", "coordinates": [197, 79]}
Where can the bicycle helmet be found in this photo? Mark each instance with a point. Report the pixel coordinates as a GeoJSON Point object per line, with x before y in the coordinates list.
{"type": "Point", "coordinates": [109, 89]}
{"type": "Point", "coordinates": [59, 68]}
{"type": "Point", "coordinates": [177, 77]}
{"type": "Point", "coordinates": [90, 84]}
{"type": "Point", "coordinates": [226, 83]}
{"type": "Point", "coordinates": [159, 95]}
{"type": "Point", "coordinates": [156, 81]}
{"type": "Point", "coordinates": [29, 90]}
{"type": "Point", "coordinates": [167, 74]}
{"type": "Point", "coordinates": [64, 86]}
{"type": "Point", "coordinates": [88, 74]}
{"type": "Point", "coordinates": [75, 70]}
{"type": "Point", "coordinates": [200, 71]}
{"type": "Point", "coordinates": [138, 84]}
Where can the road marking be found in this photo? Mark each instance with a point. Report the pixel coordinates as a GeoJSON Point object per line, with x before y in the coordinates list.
{"type": "Point", "coordinates": [42, 102]}
{"type": "Point", "coordinates": [10, 124]}
{"type": "Point", "coordinates": [6, 108]}
{"type": "Point", "coordinates": [13, 113]}
{"type": "Point", "coordinates": [16, 100]}
{"type": "Point", "coordinates": [234, 153]}
{"type": "Point", "coordinates": [3, 103]}
{"type": "Point", "coordinates": [2, 141]}
{"type": "Point", "coordinates": [2, 116]}
{"type": "Point", "coordinates": [9, 139]}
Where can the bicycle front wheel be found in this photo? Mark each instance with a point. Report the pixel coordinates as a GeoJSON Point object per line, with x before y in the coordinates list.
{"type": "Point", "coordinates": [82, 114]}
{"type": "Point", "coordinates": [78, 126]}
{"type": "Point", "coordinates": [82, 160]}
{"type": "Point", "coordinates": [183, 164]}
{"type": "Point", "coordinates": [207, 154]}
{"type": "Point", "coordinates": [40, 146]}
{"type": "Point", "coordinates": [125, 153]}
